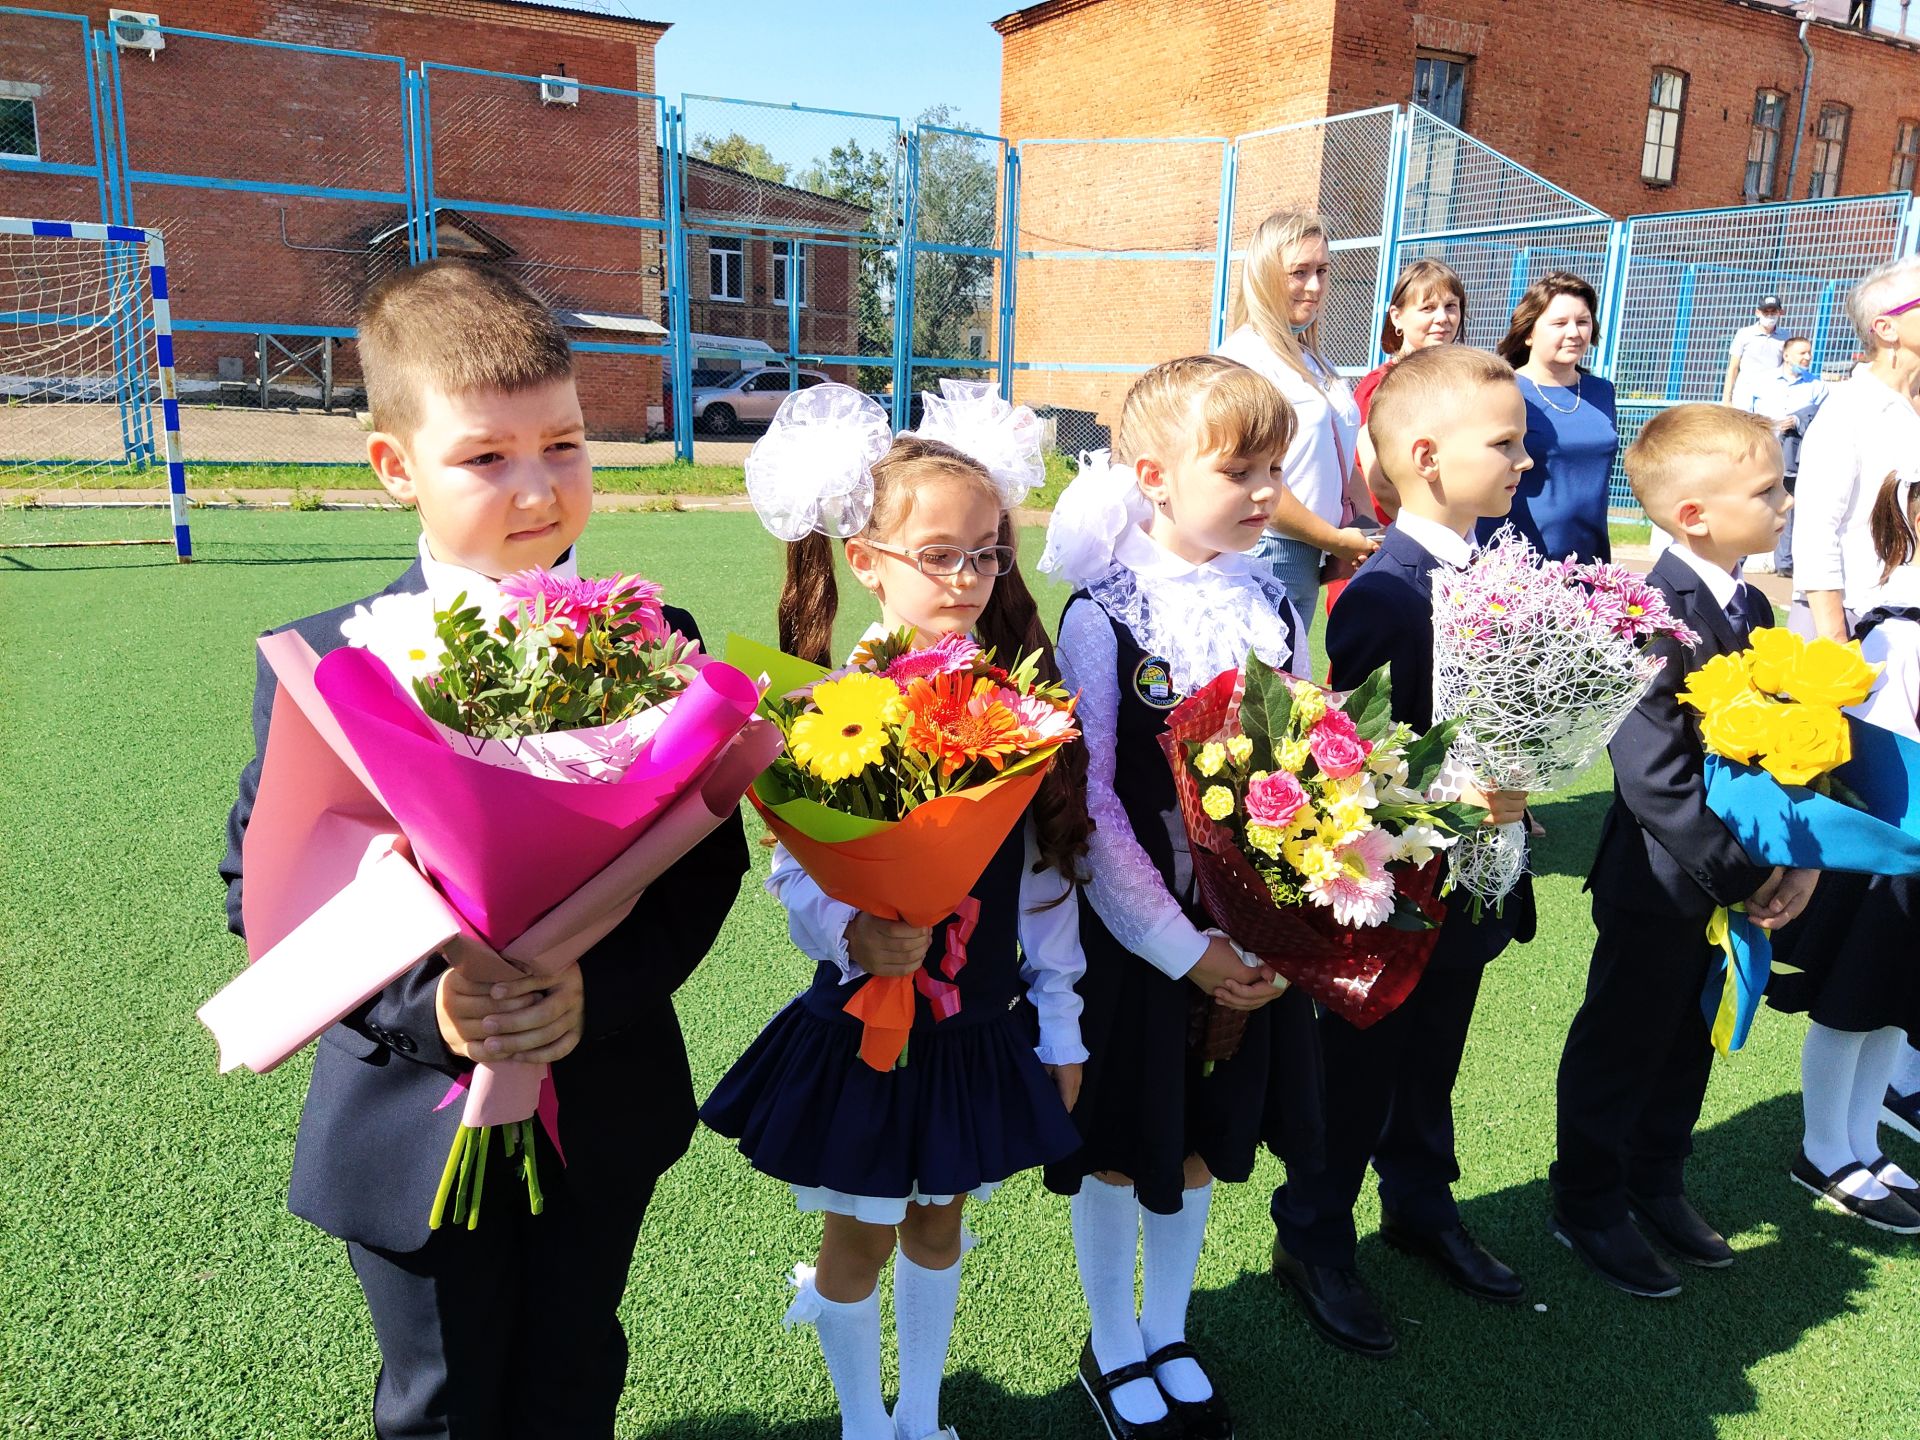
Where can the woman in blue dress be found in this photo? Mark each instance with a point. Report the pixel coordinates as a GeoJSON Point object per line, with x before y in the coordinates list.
{"type": "Point", "coordinates": [1561, 507]}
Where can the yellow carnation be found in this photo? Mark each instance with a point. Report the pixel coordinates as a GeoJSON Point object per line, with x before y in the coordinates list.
{"type": "Point", "coordinates": [1266, 840]}
{"type": "Point", "coordinates": [1740, 728]}
{"type": "Point", "coordinates": [1807, 742]}
{"type": "Point", "coordinates": [1720, 681]}
{"type": "Point", "coordinates": [1217, 801]}
{"type": "Point", "coordinates": [1211, 757]}
{"type": "Point", "coordinates": [1346, 819]}
{"type": "Point", "coordinates": [1828, 673]}
{"type": "Point", "coordinates": [1292, 756]}
{"type": "Point", "coordinates": [1772, 654]}
{"type": "Point", "coordinates": [1315, 861]}
{"type": "Point", "coordinates": [1309, 702]}
{"type": "Point", "coordinates": [1240, 749]}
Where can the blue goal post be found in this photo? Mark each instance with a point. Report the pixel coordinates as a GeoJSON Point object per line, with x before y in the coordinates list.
{"type": "Point", "coordinates": [86, 351]}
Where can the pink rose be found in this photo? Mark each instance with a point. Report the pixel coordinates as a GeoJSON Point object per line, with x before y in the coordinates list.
{"type": "Point", "coordinates": [1337, 747]}
{"type": "Point", "coordinates": [1274, 799]}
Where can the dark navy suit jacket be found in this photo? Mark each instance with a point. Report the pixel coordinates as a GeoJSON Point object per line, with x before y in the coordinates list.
{"type": "Point", "coordinates": [1385, 617]}
{"type": "Point", "coordinates": [1662, 852]}
{"type": "Point", "coordinates": [371, 1145]}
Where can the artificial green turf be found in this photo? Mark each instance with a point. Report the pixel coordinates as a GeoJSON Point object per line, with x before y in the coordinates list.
{"type": "Point", "coordinates": [212, 477]}
{"type": "Point", "coordinates": [156, 1287]}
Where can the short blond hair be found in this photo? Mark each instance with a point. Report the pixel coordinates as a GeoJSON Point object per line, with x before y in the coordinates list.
{"type": "Point", "coordinates": [1423, 389]}
{"type": "Point", "coordinates": [1686, 444]}
{"type": "Point", "coordinates": [1219, 404]}
{"type": "Point", "coordinates": [458, 328]}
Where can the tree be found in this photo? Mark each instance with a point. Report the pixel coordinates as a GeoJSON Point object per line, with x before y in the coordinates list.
{"type": "Point", "coordinates": [865, 178]}
{"type": "Point", "coordinates": [736, 152]}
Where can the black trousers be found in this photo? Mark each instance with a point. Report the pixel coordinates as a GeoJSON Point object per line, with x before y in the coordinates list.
{"type": "Point", "coordinates": [1635, 1068]}
{"type": "Point", "coordinates": [1389, 1100]}
{"type": "Point", "coordinates": [508, 1330]}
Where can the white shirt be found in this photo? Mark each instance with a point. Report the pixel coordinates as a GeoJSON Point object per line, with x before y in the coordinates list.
{"type": "Point", "coordinates": [1327, 422]}
{"type": "Point", "coordinates": [1124, 886]}
{"type": "Point", "coordinates": [1865, 431]}
{"type": "Point", "coordinates": [1051, 961]}
{"type": "Point", "coordinates": [1758, 351]}
{"type": "Point", "coordinates": [1790, 394]}
{"type": "Point", "coordinates": [1436, 539]}
{"type": "Point", "coordinates": [446, 582]}
{"type": "Point", "coordinates": [1723, 585]}
{"type": "Point", "coordinates": [1894, 645]}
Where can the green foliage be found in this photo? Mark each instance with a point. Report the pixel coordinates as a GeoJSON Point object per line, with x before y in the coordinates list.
{"type": "Point", "coordinates": [734, 151]}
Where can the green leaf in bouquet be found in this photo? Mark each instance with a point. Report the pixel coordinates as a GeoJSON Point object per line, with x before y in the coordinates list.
{"type": "Point", "coordinates": [811, 818]}
{"type": "Point", "coordinates": [1426, 755]}
{"type": "Point", "coordinates": [1370, 706]}
{"type": "Point", "coordinates": [1458, 817]}
{"type": "Point", "coordinates": [1266, 704]}
{"type": "Point", "coordinates": [1407, 916]}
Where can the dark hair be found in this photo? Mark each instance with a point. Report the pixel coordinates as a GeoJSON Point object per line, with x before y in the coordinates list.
{"type": "Point", "coordinates": [1517, 348]}
{"type": "Point", "coordinates": [1421, 278]}
{"type": "Point", "coordinates": [1892, 530]}
{"type": "Point", "coordinates": [1009, 625]}
{"type": "Point", "coordinates": [457, 327]}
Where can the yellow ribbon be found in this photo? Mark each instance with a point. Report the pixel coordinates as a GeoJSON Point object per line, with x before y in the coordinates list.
{"type": "Point", "coordinates": [1720, 934]}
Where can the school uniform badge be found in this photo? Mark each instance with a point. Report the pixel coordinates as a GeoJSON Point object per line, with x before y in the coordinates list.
{"type": "Point", "coordinates": [1153, 683]}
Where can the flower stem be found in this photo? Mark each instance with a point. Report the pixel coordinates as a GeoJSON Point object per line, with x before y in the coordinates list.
{"type": "Point", "coordinates": [484, 1139]}
{"type": "Point", "coordinates": [439, 1211]}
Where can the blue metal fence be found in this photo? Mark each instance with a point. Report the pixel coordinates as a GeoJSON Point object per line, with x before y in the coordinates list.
{"type": "Point", "coordinates": [884, 252]}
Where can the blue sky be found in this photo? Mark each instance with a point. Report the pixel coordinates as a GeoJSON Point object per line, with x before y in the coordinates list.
{"type": "Point", "coordinates": [892, 57]}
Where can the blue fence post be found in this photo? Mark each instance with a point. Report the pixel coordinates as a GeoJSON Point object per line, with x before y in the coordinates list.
{"type": "Point", "coordinates": [1612, 287]}
{"type": "Point", "coordinates": [680, 312]}
{"type": "Point", "coordinates": [1824, 323]}
{"type": "Point", "coordinates": [1682, 332]}
{"type": "Point", "coordinates": [1517, 276]}
{"type": "Point", "coordinates": [1009, 260]}
{"type": "Point", "coordinates": [903, 289]}
{"type": "Point", "coordinates": [1392, 207]}
{"type": "Point", "coordinates": [1223, 254]}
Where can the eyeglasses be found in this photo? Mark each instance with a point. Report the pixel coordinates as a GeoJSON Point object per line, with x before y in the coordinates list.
{"type": "Point", "coordinates": [988, 561]}
{"type": "Point", "coordinates": [1913, 304]}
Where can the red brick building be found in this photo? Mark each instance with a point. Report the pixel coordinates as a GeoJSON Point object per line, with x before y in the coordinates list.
{"type": "Point", "coordinates": [1633, 105]}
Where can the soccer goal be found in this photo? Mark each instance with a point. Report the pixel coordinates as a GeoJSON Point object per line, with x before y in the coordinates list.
{"type": "Point", "coordinates": [88, 412]}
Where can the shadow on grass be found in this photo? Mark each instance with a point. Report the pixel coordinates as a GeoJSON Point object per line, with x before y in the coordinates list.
{"type": "Point", "coordinates": [968, 1401]}
{"type": "Point", "coordinates": [1575, 1357]}
{"type": "Point", "coordinates": [1573, 833]}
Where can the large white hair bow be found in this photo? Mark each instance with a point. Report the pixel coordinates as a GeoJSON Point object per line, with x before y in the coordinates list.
{"type": "Point", "coordinates": [1090, 517]}
{"type": "Point", "coordinates": [813, 469]}
{"type": "Point", "coordinates": [971, 416]}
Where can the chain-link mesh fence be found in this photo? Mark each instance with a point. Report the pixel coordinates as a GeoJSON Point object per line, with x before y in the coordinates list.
{"type": "Point", "coordinates": [1117, 269]}
{"type": "Point", "coordinates": [49, 150]}
{"type": "Point", "coordinates": [957, 296]}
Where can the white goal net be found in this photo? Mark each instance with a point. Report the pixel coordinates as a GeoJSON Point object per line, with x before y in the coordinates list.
{"type": "Point", "coordinates": [88, 415]}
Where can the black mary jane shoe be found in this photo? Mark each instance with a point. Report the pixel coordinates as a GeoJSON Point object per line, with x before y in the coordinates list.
{"type": "Point", "coordinates": [1889, 1212]}
{"type": "Point", "coordinates": [1908, 1193]}
{"type": "Point", "coordinates": [1100, 1388]}
{"type": "Point", "coordinates": [1206, 1419]}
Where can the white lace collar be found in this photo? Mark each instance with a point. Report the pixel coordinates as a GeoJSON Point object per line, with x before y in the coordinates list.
{"type": "Point", "coordinates": [1200, 619]}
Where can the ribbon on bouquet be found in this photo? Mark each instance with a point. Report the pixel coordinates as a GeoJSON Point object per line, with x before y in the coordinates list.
{"type": "Point", "coordinates": [884, 1005]}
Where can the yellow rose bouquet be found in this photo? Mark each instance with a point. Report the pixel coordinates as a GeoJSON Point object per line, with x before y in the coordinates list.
{"type": "Point", "coordinates": [1800, 783]}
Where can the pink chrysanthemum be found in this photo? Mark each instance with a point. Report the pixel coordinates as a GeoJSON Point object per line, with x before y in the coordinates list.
{"type": "Point", "coordinates": [576, 601]}
{"type": "Point", "coordinates": [947, 655]}
{"type": "Point", "coordinates": [1360, 891]}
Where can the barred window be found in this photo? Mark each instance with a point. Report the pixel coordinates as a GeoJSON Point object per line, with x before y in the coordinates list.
{"type": "Point", "coordinates": [1829, 150]}
{"type": "Point", "coordinates": [1763, 145]}
{"type": "Point", "coordinates": [1661, 152]}
{"type": "Point", "coordinates": [19, 134]}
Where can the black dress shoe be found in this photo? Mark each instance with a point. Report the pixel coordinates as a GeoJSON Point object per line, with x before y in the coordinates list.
{"type": "Point", "coordinates": [1902, 1112]}
{"type": "Point", "coordinates": [1207, 1419]}
{"type": "Point", "coordinates": [1462, 1261]}
{"type": "Point", "coordinates": [1100, 1388]}
{"type": "Point", "coordinates": [1337, 1304]}
{"type": "Point", "coordinates": [1889, 1212]}
{"type": "Point", "coordinates": [1620, 1255]}
{"type": "Point", "coordinates": [1678, 1226]}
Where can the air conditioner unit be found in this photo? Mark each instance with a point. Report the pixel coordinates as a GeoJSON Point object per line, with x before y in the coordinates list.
{"type": "Point", "coordinates": [559, 90]}
{"type": "Point", "coordinates": [136, 30]}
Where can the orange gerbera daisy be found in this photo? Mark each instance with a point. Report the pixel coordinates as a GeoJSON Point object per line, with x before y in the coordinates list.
{"type": "Point", "coordinates": [955, 718]}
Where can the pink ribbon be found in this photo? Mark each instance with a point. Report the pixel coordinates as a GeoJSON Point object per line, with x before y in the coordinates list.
{"type": "Point", "coordinates": [548, 1108]}
{"type": "Point", "coordinates": [942, 996]}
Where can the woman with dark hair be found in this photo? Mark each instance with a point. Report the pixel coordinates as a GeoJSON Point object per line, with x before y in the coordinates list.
{"type": "Point", "coordinates": [1428, 307]}
{"type": "Point", "coordinates": [1562, 504]}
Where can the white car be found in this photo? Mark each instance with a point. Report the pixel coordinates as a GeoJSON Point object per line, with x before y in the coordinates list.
{"type": "Point", "coordinates": [726, 400]}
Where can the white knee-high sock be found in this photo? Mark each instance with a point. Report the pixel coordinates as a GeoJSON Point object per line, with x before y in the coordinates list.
{"type": "Point", "coordinates": [850, 1343]}
{"type": "Point", "coordinates": [1906, 1071]}
{"type": "Point", "coordinates": [1879, 1054]}
{"type": "Point", "coordinates": [924, 1302]}
{"type": "Point", "coordinates": [1829, 1061]}
{"type": "Point", "coordinates": [1170, 1249]}
{"type": "Point", "coordinates": [1106, 1242]}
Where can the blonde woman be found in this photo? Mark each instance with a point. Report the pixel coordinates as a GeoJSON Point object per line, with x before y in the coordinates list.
{"type": "Point", "coordinates": [1276, 314]}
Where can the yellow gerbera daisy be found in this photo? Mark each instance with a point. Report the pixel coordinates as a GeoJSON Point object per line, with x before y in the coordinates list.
{"type": "Point", "coordinates": [846, 731]}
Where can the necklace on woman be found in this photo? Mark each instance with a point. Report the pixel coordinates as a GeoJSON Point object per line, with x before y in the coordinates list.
{"type": "Point", "coordinates": [1549, 404]}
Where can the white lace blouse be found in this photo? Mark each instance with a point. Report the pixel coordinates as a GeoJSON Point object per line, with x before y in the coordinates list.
{"type": "Point", "coordinates": [1201, 619]}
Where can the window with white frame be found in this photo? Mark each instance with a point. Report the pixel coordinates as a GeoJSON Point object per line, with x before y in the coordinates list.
{"type": "Point", "coordinates": [1763, 144]}
{"type": "Point", "coordinates": [789, 265]}
{"type": "Point", "coordinates": [726, 268]}
{"type": "Point", "coordinates": [19, 127]}
{"type": "Point", "coordinates": [1829, 150]}
{"type": "Point", "coordinates": [1661, 151]}
{"type": "Point", "coordinates": [1906, 155]}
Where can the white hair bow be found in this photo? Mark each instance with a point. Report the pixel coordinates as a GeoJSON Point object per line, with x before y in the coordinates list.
{"type": "Point", "coordinates": [813, 469]}
{"type": "Point", "coordinates": [1090, 517]}
{"type": "Point", "coordinates": [971, 416]}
